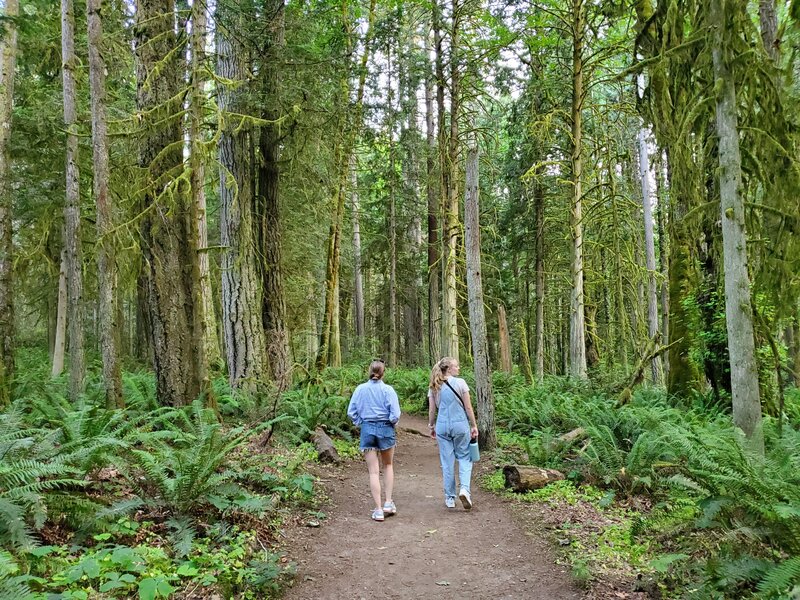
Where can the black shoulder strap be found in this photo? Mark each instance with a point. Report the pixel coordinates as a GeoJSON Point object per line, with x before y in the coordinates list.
{"type": "Point", "coordinates": [460, 399]}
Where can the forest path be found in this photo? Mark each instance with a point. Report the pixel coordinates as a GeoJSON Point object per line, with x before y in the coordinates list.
{"type": "Point", "coordinates": [425, 550]}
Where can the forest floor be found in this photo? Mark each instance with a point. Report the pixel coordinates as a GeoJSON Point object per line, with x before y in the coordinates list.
{"type": "Point", "coordinates": [425, 550]}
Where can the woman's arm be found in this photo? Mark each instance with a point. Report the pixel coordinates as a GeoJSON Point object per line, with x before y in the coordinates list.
{"type": "Point", "coordinates": [394, 406]}
{"type": "Point", "coordinates": [352, 409]}
{"type": "Point", "coordinates": [431, 414]}
{"type": "Point", "coordinates": [473, 424]}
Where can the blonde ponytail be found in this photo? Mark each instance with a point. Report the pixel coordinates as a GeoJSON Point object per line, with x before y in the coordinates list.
{"type": "Point", "coordinates": [439, 373]}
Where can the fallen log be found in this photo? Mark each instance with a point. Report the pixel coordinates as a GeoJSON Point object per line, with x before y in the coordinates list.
{"type": "Point", "coordinates": [521, 478]}
{"type": "Point", "coordinates": [326, 451]}
{"type": "Point", "coordinates": [566, 440]}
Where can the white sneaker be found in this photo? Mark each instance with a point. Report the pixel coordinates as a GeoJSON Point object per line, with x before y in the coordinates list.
{"type": "Point", "coordinates": [465, 498]}
{"type": "Point", "coordinates": [450, 502]}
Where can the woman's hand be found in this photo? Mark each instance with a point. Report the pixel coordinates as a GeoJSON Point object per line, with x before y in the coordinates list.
{"type": "Point", "coordinates": [473, 432]}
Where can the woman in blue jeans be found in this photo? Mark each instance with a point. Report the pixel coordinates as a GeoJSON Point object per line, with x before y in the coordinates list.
{"type": "Point", "coordinates": [455, 426]}
{"type": "Point", "coordinates": [374, 406]}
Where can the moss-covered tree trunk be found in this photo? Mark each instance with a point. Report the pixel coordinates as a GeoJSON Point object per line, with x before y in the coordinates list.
{"type": "Point", "coordinates": [538, 207]}
{"type": "Point", "coordinates": [738, 310]}
{"type": "Point", "coordinates": [197, 165]}
{"type": "Point", "coordinates": [433, 191]}
{"type": "Point", "coordinates": [72, 207]}
{"type": "Point", "coordinates": [448, 152]}
{"type": "Point", "coordinates": [577, 328]}
{"type": "Point", "coordinates": [168, 241]}
{"type": "Point", "coordinates": [267, 208]}
{"type": "Point", "coordinates": [243, 331]}
{"type": "Point", "coordinates": [8, 61]}
{"type": "Point", "coordinates": [649, 251]}
{"type": "Point", "coordinates": [329, 352]}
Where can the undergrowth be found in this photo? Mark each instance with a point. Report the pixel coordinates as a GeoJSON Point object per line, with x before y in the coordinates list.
{"type": "Point", "coordinates": [723, 524]}
{"type": "Point", "coordinates": [150, 500]}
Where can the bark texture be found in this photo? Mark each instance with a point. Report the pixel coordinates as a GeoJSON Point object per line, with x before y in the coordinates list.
{"type": "Point", "coordinates": [449, 168]}
{"type": "Point", "coordinates": [243, 332]}
{"type": "Point", "coordinates": [106, 259]}
{"type": "Point", "coordinates": [198, 177]}
{"type": "Point", "coordinates": [538, 198]}
{"type": "Point", "coordinates": [738, 308]}
{"type": "Point", "coordinates": [477, 315]}
{"type": "Point", "coordinates": [168, 240]}
{"type": "Point", "coordinates": [72, 207]}
{"type": "Point", "coordinates": [577, 329]}
{"type": "Point", "coordinates": [649, 251]}
{"type": "Point", "coordinates": [504, 340]}
{"type": "Point", "coordinates": [60, 342]}
{"type": "Point", "coordinates": [8, 61]}
{"type": "Point", "coordinates": [267, 211]}
{"type": "Point", "coordinates": [433, 190]}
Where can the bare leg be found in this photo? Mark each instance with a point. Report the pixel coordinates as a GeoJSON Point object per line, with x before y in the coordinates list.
{"type": "Point", "coordinates": [388, 472]}
{"type": "Point", "coordinates": [371, 456]}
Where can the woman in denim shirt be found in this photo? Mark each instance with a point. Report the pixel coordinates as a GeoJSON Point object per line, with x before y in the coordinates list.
{"type": "Point", "coordinates": [455, 427]}
{"type": "Point", "coordinates": [374, 406]}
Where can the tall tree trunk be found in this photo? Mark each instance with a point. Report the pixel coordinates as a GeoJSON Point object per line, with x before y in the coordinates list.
{"type": "Point", "coordinates": [505, 341]}
{"type": "Point", "coordinates": [433, 190]}
{"type": "Point", "coordinates": [768, 17]}
{"type": "Point", "coordinates": [449, 155]}
{"type": "Point", "coordinates": [72, 207]}
{"type": "Point", "coordinates": [411, 144]}
{"type": "Point", "coordinates": [267, 210]}
{"type": "Point", "coordinates": [330, 348]}
{"type": "Point", "coordinates": [538, 201]}
{"type": "Point", "coordinates": [477, 315]}
{"type": "Point", "coordinates": [60, 343]}
{"type": "Point", "coordinates": [198, 178]}
{"type": "Point", "coordinates": [358, 276]}
{"type": "Point", "coordinates": [577, 335]}
{"type": "Point", "coordinates": [738, 309]}
{"type": "Point", "coordinates": [662, 195]}
{"type": "Point", "coordinates": [620, 340]}
{"type": "Point", "coordinates": [169, 243]}
{"type": "Point", "coordinates": [243, 331]}
{"type": "Point", "coordinates": [106, 260]}
{"type": "Point", "coordinates": [525, 357]}
{"type": "Point", "coordinates": [392, 216]}
{"type": "Point", "coordinates": [650, 251]}
{"type": "Point", "coordinates": [8, 61]}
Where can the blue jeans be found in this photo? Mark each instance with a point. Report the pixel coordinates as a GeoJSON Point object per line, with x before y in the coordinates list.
{"type": "Point", "coordinates": [377, 435]}
{"type": "Point", "coordinates": [453, 442]}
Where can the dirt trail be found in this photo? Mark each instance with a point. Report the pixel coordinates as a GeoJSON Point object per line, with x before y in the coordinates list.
{"type": "Point", "coordinates": [426, 550]}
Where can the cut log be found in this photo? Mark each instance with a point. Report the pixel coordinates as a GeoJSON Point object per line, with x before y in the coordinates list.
{"type": "Point", "coordinates": [325, 448]}
{"type": "Point", "coordinates": [522, 478]}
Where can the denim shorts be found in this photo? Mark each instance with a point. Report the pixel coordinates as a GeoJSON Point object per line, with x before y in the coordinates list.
{"type": "Point", "coordinates": [377, 435]}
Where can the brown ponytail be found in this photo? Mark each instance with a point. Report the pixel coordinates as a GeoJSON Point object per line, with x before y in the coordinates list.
{"type": "Point", "coordinates": [376, 369]}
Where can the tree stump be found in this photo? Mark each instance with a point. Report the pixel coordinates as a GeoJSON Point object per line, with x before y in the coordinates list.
{"type": "Point", "coordinates": [521, 478]}
{"type": "Point", "coordinates": [325, 448]}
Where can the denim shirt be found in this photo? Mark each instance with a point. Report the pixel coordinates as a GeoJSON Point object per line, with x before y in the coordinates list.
{"type": "Point", "coordinates": [374, 401]}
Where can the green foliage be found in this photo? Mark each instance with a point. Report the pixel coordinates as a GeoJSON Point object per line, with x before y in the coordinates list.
{"type": "Point", "coordinates": [33, 483]}
{"type": "Point", "coordinates": [184, 465]}
{"type": "Point", "coordinates": [307, 408]}
{"type": "Point", "coordinates": [688, 457]}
